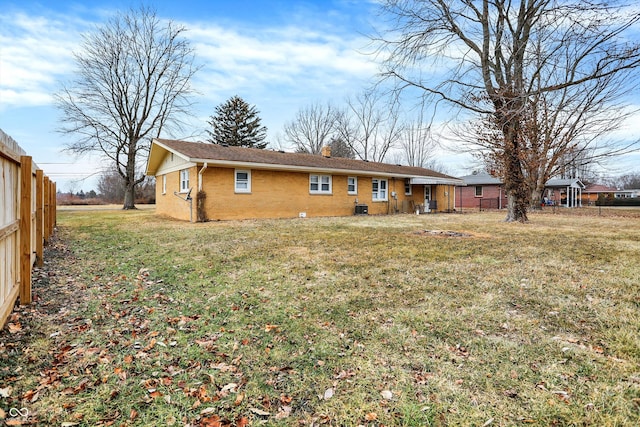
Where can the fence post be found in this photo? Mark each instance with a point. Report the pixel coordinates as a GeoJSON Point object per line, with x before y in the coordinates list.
{"type": "Point", "coordinates": [39, 217]}
{"type": "Point", "coordinates": [26, 174]}
{"type": "Point", "coordinates": [54, 206]}
{"type": "Point", "coordinates": [47, 214]}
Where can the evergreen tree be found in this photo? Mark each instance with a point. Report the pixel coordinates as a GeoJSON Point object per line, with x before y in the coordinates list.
{"type": "Point", "coordinates": [237, 123]}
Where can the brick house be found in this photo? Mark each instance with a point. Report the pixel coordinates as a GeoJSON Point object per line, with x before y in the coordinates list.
{"type": "Point", "coordinates": [202, 181]}
{"type": "Point", "coordinates": [481, 191]}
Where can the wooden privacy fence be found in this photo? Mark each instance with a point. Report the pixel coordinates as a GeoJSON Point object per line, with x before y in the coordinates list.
{"type": "Point", "coordinates": [27, 220]}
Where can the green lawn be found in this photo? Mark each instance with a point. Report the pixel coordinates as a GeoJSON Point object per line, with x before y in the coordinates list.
{"type": "Point", "coordinates": [371, 321]}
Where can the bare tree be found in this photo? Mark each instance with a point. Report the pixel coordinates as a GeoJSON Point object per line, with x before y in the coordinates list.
{"type": "Point", "coordinates": [370, 126]}
{"type": "Point", "coordinates": [417, 142]}
{"type": "Point", "coordinates": [111, 189]}
{"type": "Point", "coordinates": [132, 84]}
{"type": "Point", "coordinates": [565, 131]}
{"type": "Point", "coordinates": [492, 57]}
{"type": "Point", "coordinates": [629, 181]}
{"type": "Point", "coordinates": [312, 128]}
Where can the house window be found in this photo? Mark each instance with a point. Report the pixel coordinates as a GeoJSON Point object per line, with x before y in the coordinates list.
{"type": "Point", "coordinates": [478, 190]}
{"type": "Point", "coordinates": [243, 181]}
{"type": "Point", "coordinates": [164, 184]}
{"type": "Point", "coordinates": [407, 187]}
{"type": "Point", "coordinates": [352, 185]}
{"type": "Point", "coordinates": [379, 190]}
{"type": "Point", "coordinates": [320, 184]}
{"type": "Point", "coordinates": [184, 180]}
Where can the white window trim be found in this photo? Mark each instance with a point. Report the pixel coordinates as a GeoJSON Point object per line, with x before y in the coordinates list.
{"type": "Point", "coordinates": [407, 184]}
{"type": "Point", "coordinates": [235, 181]}
{"type": "Point", "coordinates": [319, 190]}
{"type": "Point", "coordinates": [475, 191]}
{"type": "Point", "coordinates": [164, 184]}
{"type": "Point", "coordinates": [355, 184]}
{"type": "Point", "coordinates": [184, 188]}
{"type": "Point", "coordinates": [375, 196]}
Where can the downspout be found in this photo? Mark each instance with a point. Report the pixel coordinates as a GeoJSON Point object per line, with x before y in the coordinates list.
{"type": "Point", "coordinates": [204, 168]}
{"type": "Point", "coordinates": [202, 195]}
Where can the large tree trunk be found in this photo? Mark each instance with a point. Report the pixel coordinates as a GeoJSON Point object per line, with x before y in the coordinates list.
{"type": "Point", "coordinates": [130, 181]}
{"type": "Point", "coordinates": [537, 188]}
{"type": "Point", "coordinates": [515, 184]}
{"type": "Point", "coordinates": [129, 195]}
{"type": "Point", "coordinates": [536, 199]}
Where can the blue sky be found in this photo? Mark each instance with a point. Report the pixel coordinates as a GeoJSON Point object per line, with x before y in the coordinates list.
{"type": "Point", "coordinates": [277, 55]}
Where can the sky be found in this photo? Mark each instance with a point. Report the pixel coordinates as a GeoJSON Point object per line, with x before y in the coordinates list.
{"type": "Point", "coordinates": [279, 56]}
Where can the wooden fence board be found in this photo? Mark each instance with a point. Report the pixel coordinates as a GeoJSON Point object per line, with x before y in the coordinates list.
{"type": "Point", "coordinates": [25, 223]}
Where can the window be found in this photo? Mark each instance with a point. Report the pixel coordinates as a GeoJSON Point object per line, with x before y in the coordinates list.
{"type": "Point", "coordinates": [184, 180]}
{"type": "Point", "coordinates": [352, 185]}
{"type": "Point", "coordinates": [164, 184]}
{"type": "Point", "coordinates": [243, 181]}
{"type": "Point", "coordinates": [379, 190]}
{"type": "Point", "coordinates": [478, 190]}
{"type": "Point", "coordinates": [320, 184]}
{"type": "Point", "coordinates": [407, 186]}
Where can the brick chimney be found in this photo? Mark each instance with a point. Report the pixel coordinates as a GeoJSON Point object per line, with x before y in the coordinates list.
{"type": "Point", "coordinates": [326, 151]}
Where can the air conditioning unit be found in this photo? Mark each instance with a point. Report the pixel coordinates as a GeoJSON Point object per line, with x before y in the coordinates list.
{"type": "Point", "coordinates": [362, 210]}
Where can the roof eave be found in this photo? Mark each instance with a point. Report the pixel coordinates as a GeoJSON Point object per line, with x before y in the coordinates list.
{"type": "Point", "coordinates": [155, 157]}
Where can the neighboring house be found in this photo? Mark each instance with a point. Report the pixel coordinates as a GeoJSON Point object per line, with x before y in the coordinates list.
{"type": "Point", "coordinates": [482, 191]}
{"type": "Point", "coordinates": [564, 192]}
{"type": "Point", "coordinates": [592, 192]}
{"type": "Point", "coordinates": [625, 194]}
{"type": "Point", "coordinates": [200, 181]}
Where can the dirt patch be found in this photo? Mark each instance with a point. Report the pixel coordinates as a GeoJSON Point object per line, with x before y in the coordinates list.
{"type": "Point", "coordinates": [442, 233]}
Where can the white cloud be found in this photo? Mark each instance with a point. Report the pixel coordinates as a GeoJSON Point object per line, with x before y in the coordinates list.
{"type": "Point", "coordinates": [36, 51]}
{"type": "Point", "coordinates": [260, 59]}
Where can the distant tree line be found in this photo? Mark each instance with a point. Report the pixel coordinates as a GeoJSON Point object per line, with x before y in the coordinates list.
{"type": "Point", "coordinates": [110, 190]}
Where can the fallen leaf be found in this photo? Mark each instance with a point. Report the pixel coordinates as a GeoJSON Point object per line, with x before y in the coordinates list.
{"type": "Point", "coordinates": [14, 327]}
{"type": "Point", "coordinates": [239, 399]}
{"type": "Point", "coordinates": [259, 412]}
{"type": "Point", "coordinates": [269, 328]}
{"type": "Point", "coordinates": [231, 387]}
{"type": "Point", "coordinates": [328, 394]}
{"type": "Point", "coordinates": [285, 399]}
{"type": "Point", "coordinates": [152, 344]}
{"type": "Point", "coordinates": [488, 422]}
{"type": "Point", "coordinates": [242, 422]}
{"type": "Point", "coordinates": [283, 412]}
{"type": "Point", "coordinates": [6, 392]}
{"type": "Point", "coordinates": [371, 416]}
{"type": "Point", "coordinates": [213, 421]}
{"type": "Point", "coordinates": [387, 394]}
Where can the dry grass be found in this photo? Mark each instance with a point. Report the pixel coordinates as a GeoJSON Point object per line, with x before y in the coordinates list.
{"type": "Point", "coordinates": [338, 321]}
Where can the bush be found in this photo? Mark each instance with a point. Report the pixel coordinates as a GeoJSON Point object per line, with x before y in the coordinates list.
{"type": "Point", "coordinates": [611, 201]}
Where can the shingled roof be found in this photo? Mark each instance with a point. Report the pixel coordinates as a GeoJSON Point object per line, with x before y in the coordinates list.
{"type": "Point", "coordinates": [212, 154]}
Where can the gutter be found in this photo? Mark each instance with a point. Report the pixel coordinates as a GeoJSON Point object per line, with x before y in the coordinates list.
{"type": "Point", "coordinates": [200, 173]}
